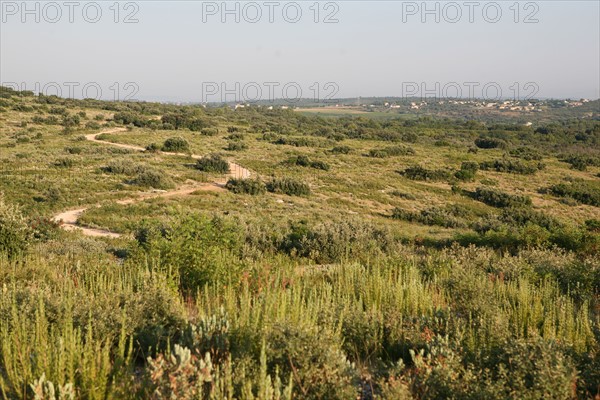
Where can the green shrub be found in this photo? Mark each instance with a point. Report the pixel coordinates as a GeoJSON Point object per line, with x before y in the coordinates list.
{"type": "Point", "coordinates": [467, 172]}
{"type": "Point", "coordinates": [391, 151]}
{"type": "Point", "coordinates": [489, 143]}
{"type": "Point", "coordinates": [521, 216]}
{"type": "Point", "coordinates": [236, 136]}
{"type": "Point", "coordinates": [153, 148]}
{"type": "Point", "coordinates": [176, 145]}
{"type": "Point", "coordinates": [593, 225]}
{"type": "Point", "coordinates": [586, 192]}
{"type": "Point", "coordinates": [70, 121]}
{"type": "Point", "coordinates": [200, 249]}
{"type": "Point", "coordinates": [447, 217]}
{"type": "Point", "coordinates": [269, 136]}
{"type": "Point", "coordinates": [322, 165]}
{"type": "Point", "coordinates": [93, 125]}
{"type": "Point", "coordinates": [533, 369]}
{"type": "Point", "coordinates": [335, 241]}
{"type": "Point", "coordinates": [44, 229]}
{"type": "Point", "coordinates": [213, 163]}
{"type": "Point", "coordinates": [304, 161]}
{"type": "Point", "coordinates": [526, 153]}
{"type": "Point", "coordinates": [341, 150]}
{"type": "Point", "coordinates": [15, 232]}
{"type": "Point", "coordinates": [130, 118]}
{"type": "Point", "coordinates": [246, 186]}
{"type": "Point", "coordinates": [189, 373]}
{"type": "Point", "coordinates": [403, 195]}
{"type": "Point", "coordinates": [209, 131]}
{"type": "Point", "coordinates": [64, 163]}
{"type": "Point", "coordinates": [58, 110]}
{"type": "Point", "coordinates": [298, 141]}
{"type": "Point", "coordinates": [581, 162]}
{"type": "Point", "coordinates": [288, 186]}
{"type": "Point", "coordinates": [154, 179]}
{"type": "Point", "coordinates": [123, 167]}
{"type": "Point", "coordinates": [236, 146]}
{"type": "Point", "coordinates": [419, 173]}
{"type": "Point", "coordinates": [497, 198]}
{"type": "Point", "coordinates": [314, 357]}
{"type": "Point", "coordinates": [74, 150]}
{"type": "Point", "coordinates": [512, 166]}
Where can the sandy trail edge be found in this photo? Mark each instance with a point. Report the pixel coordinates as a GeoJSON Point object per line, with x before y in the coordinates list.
{"type": "Point", "coordinates": [68, 219]}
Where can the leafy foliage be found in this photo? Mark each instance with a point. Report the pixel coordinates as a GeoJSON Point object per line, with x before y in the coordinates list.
{"type": "Point", "coordinates": [246, 186]}
{"type": "Point", "coordinates": [516, 167]}
{"type": "Point", "coordinates": [176, 145]}
{"type": "Point", "coordinates": [586, 192]}
{"type": "Point", "coordinates": [213, 163]}
{"type": "Point", "coordinates": [289, 186]}
{"type": "Point", "coordinates": [15, 233]}
{"type": "Point", "coordinates": [419, 173]}
{"type": "Point", "coordinates": [497, 198]}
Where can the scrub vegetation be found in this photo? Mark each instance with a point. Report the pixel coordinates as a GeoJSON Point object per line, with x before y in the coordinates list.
{"type": "Point", "coordinates": [390, 258]}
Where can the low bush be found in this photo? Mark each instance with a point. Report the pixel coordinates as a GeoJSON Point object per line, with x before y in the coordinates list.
{"type": "Point", "coordinates": [123, 167]}
{"type": "Point", "coordinates": [391, 151]}
{"type": "Point", "coordinates": [467, 172]}
{"type": "Point", "coordinates": [322, 165]}
{"type": "Point", "coordinates": [593, 225]}
{"type": "Point", "coordinates": [213, 163]}
{"type": "Point", "coordinates": [236, 146]}
{"type": "Point", "coordinates": [200, 249]}
{"type": "Point", "coordinates": [154, 179]}
{"type": "Point", "coordinates": [93, 125]}
{"type": "Point", "coordinates": [512, 166]}
{"type": "Point", "coordinates": [305, 161]}
{"type": "Point", "coordinates": [403, 195]}
{"type": "Point", "coordinates": [127, 118]}
{"type": "Point", "coordinates": [335, 241]}
{"type": "Point", "coordinates": [15, 233]}
{"type": "Point", "coordinates": [521, 216]}
{"type": "Point", "coordinates": [44, 229]}
{"type": "Point", "coordinates": [176, 145]}
{"type": "Point", "coordinates": [269, 137]}
{"type": "Point", "coordinates": [341, 150]}
{"type": "Point", "coordinates": [497, 198]}
{"type": "Point", "coordinates": [586, 192]}
{"type": "Point", "coordinates": [236, 136]}
{"type": "Point", "coordinates": [289, 186]}
{"type": "Point", "coordinates": [153, 148]}
{"type": "Point", "coordinates": [316, 360]}
{"type": "Point", "coordinates": [447, 217]}
{"type": "Point", "coordinates": [526, 153]}
{"type": "Point", "coordinates": [73, 150]}
{"type": "Point", "coordinates": [246, 186]}
{"type": "Point", "coordinates": [532, 369]}
{"type": "Point", "coordinates": [490, 143]}
{"type": "Point", "coordinates": [419, 173]}
{"type": "Point", "coordinates": [299, 141]}
{"type": "Point", "coordinates": [64, 163]}
{"type": "Point", "coordinates": [581, 162]}
{"type": "Point", "coordinates": [209, 131]}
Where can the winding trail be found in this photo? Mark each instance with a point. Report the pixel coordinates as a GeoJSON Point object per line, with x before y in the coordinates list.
{"type": "Point", "coordinates": [68, 219]}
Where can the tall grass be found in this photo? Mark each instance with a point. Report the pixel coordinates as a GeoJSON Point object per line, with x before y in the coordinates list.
{"type": "Point", "coordinates": [93, 328]}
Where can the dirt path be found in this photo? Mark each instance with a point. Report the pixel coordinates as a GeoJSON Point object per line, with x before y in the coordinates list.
{"type": "Point", "coordinates": [68, 219]}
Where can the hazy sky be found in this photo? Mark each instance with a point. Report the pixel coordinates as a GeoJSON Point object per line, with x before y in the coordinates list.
{"type": "Point", "coordinates": [183, 51]}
